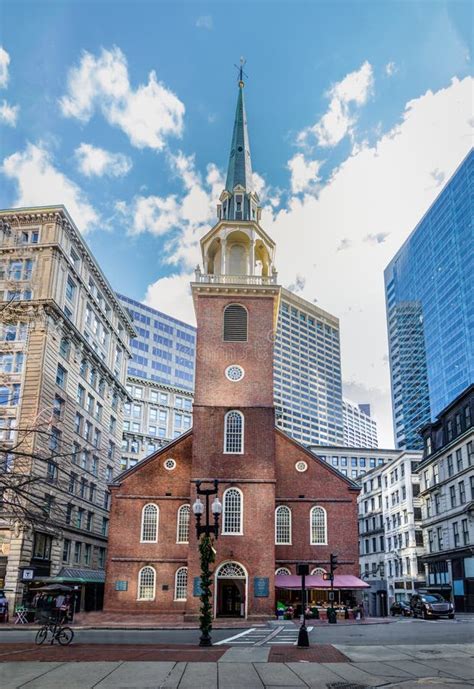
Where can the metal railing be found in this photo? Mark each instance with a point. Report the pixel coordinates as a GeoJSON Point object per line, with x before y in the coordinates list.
{"type": "Point", "coordinates": [235, 279]}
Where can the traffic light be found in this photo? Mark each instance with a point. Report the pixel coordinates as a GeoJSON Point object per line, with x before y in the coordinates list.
{"type": "Point", "coordinates": [327, 576]}
{"type": "Point", "coordinates": [333, 562]}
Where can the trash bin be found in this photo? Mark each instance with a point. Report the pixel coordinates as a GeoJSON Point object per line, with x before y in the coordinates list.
{"type": "Point", "coordinates": [332, 616]}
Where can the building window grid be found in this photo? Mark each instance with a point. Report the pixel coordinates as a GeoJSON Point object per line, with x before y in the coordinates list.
{"type": "Point", "coordinates": [234, 432]}
{"type": "Point", "coordinates": [318, 526]}
{"type": "Point", "coordinates": [183, 524]}
{"type": "Point", "coordinates": [149, 530]}
{"type": "Point", "coordinates": [181, 584]}
{"type": "Point", "coordinates": [283, 525]}
{"type": "Point", "coordinates": [146, 583]}
{"type": "Point", "coordinates": [232, 518]}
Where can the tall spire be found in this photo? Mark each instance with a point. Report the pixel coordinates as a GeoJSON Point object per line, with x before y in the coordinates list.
{"type": "Point", "coordinates": [239, 171]}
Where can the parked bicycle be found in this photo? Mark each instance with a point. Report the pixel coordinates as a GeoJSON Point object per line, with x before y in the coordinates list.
{"type": "Point", "coordinates": [55, 629]}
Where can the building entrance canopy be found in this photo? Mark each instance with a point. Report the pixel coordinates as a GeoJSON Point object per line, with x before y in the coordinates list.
{"type": "Point", "coordinates": [341, 581]}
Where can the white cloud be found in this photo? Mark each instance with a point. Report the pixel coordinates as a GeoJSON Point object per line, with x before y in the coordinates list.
{"type": "Point", "coordinates": [391, 69]}
{"type": "Point", "coordinates": [185, 217]}
{"type": "Point", "coordinates": [341, 240]}
{"type": "Point", "coordinates": [205, 22]}
{"type": "Point", "coordinates": [345, 97]}
{"type": "Point", "coordinates": [148, 115]}
{"type": "Point", "coordinates": [8, 113]}
{"type": "Point", "coordinates": [172, 294]}
{"type": "Point", "coordinates": [40, 183]}
{"type": "Point", "coordinates": [368, 206]}
{"type": "Point", "coordinates": [4, 62]}
{"type": "Point", "coordinates": [304, 174]}
{"type": "Point", "coordinates": [94, 161]}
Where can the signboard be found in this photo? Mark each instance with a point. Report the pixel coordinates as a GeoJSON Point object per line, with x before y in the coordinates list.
{"type": "Point", "coordinates": [331, 595]}
{"type": "Point", "coordinates": [197, 587]}
{"type": "Point", "coordinates": [121, 585]}
{"type": "Point", "coordinates": [27, 574]}
{"type": "Point", "coordinates": [261, 586]}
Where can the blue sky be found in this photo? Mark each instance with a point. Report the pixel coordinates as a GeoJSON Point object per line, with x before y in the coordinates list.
{"type": "Point", "coordinates": [355, 123]}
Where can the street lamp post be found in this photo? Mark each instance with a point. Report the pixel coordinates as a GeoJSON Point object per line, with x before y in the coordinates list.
{"type": "Point", "coordinates": [206, 552]}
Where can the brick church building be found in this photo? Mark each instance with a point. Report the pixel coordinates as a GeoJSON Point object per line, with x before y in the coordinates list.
{"type": "Point", "coordinates": [281, 504]}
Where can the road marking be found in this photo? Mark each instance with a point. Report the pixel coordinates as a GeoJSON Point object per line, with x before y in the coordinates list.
{"type": "Point", "coordinates": [236, 636]}
{"type": "Point", "coordinates": [272, 634]}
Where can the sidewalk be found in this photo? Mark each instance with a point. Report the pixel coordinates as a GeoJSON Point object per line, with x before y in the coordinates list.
{"type": "Point", "coordinates": [98, 620]}
{"type": "Point", "coordinates": [442, 666]}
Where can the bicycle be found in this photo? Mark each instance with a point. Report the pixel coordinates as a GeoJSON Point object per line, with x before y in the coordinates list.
{"type": "Point", "coordinates": [63, 634]}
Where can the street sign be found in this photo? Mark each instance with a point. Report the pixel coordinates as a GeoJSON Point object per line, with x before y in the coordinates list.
{"type": "Point", "coordinates": [261, 587]}
{"type": "Point", "coordinates": [331, 595]}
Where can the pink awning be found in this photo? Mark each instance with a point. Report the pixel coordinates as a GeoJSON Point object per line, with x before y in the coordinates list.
{"type": "Point", "coordinates": [341, 581]}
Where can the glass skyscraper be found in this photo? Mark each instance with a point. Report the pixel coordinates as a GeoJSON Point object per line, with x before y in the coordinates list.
{"type": "Point", "coordinates": [160, 382]}
{"type": "Point", "coordinates": [163, 351]}
{"type": "Point", "coordinates": [429, 289]}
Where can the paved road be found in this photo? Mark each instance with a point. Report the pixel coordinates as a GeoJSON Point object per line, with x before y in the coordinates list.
{"type": "Point", "coordinates": [403, 631]}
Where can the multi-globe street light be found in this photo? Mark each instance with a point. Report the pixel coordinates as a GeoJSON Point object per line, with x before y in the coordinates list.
{"type": "Point", "coordinates": [206, 552]}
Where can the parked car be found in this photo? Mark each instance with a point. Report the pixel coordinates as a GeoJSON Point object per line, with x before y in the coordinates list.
{"type": "Point", "coordinates": [427, 605]}
{"type": "Point", "coordinates": [400, 607]}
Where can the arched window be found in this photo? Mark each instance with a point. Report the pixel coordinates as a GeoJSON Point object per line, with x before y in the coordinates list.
{"type": "Point", "coordinates": [283, 525]}
{"type": "Point", "coordinates": [232, 512]}
{"type": "Point", "coordinates": [282, 571]}
{"type": "Point", "coordinates": [235, 323]}
{"type": "Point", "coordinates": [183, 524]}
{"type": "Point", "coordinates": [146, 583]}
{"type": "Point", "coordinates": [181, 583]}
{"type": "Point", "coordinates": [237, 260]}
{"type": "Point", "coordinates": [318, 526]}
{"type": "Point", "coordinates": [318, 572]}
{"type": "Point", "coordinates": [149, 524]}
{"type": "Point", "coordinates": [234, 432]}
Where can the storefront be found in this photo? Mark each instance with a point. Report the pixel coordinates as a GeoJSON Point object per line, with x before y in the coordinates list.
{"type": "Point", "coordinates": [87, 586]}
{"type": "Point", "coordinates": [344, 590]}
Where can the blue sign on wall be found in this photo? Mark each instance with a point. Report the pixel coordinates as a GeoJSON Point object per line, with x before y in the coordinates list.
{"type": "Point", "coordinates": [121, 585]}
{"type": "Point", "coordinates": [197, 586]}
{"type": "Point", "coordinates": [261, 586]}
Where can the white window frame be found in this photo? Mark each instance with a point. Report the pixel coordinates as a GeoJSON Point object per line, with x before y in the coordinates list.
{"type": "Point", "coordinates": [282, 572]}
{"type": "Point", "coordinates": [155, 540]}
{"type": "Point", "coordinates": [177, 573]}
{"type": "Point", "coordinates": [181, 510]}
{"type": "Point", "coordinates": [140, 585]}
{"type": "Point", "coordinates": [287, 510]}
{"type": "Point", "coordinates": [313, 509]}
{"type": "Point", "coordinates": [318, 572]}
{"type": "Point", "coordinates": [241, 531]}
{"type": "Point", "coordinates": [242, 434]}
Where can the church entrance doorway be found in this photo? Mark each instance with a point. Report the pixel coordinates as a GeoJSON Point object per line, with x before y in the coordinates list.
{"type": "Point", "coordinates": [231, 590]}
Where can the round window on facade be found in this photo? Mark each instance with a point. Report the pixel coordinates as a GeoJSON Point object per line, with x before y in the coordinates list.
{"type": "Point", "coordinates": [234, 373]}
{"type": "Point", "coordinates": [169, 464]}
{"type": "Point", "coordinates": [301, 466]}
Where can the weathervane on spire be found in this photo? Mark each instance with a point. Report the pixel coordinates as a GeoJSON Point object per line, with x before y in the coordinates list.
{"type": "Point", "coordinates": [240, 69]}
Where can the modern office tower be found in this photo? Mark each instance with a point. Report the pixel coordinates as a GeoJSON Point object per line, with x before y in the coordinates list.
{"type": "Point", "coordinates": [354, 462]}
{"type": "Point", "coordinates": [390, 535]}
{"type": "Point", "coordinates": [447, 492]}
{"type": "Point", "coordinates": [64, 349]}
{"type": "Point", "coordinates": [360, 429]}
{"type": "Point", "coordinates": [307, 372]}
{"type": "Point", "coordinates": [429, 296]}
{"type": "Point", "coordinates": [160, 382]}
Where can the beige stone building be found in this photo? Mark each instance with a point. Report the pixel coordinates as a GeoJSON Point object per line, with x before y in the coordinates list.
{"type": "Point", "coordinates": [64, 349]}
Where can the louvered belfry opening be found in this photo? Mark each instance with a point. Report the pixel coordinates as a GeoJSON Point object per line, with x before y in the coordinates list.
{"type": "Point", "coordinates": [235, 323]}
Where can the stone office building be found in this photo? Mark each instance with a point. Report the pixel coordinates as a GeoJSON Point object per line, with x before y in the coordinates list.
{"type": "Point", "coordinates": [390, 535]}
{"type": "Point", "coordinates": [447, 492]}
{"type": "Point", "coordinates": [281, 503]}
{"type": "Point", "coordinates": [64, 348]}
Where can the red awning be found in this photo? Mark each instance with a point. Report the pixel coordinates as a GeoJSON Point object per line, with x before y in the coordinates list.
{"type": "Point", "coordinates": [341, 581]}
